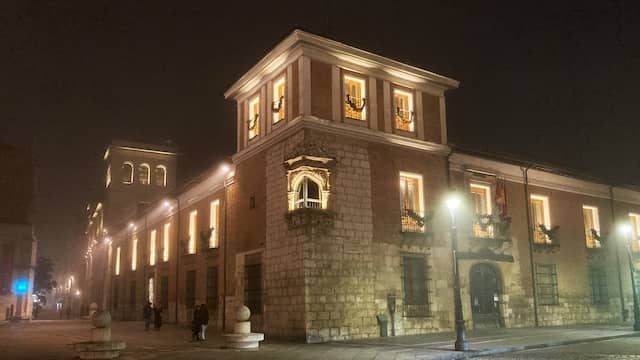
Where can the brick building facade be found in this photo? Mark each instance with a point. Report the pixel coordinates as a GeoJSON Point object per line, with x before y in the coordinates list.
{"type": "Point", "coordinates": [331, 213]}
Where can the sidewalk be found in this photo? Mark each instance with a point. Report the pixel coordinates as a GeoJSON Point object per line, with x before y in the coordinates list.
{"type": "Point", "coordinates": [53, 339]}
{"type": "Point", "coordinates": [494, 341]}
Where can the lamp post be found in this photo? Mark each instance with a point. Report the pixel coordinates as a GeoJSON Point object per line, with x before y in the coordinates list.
{"type": "Point", "coordinates": [461, 344]}
{"type": "Point", "coordinates": [627, 230]}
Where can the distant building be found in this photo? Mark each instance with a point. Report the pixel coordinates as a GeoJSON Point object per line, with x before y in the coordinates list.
{"type": "Point", "coordinates": [136, 175]}
{"type": "Point", "coordinates": [17, 240]}
{"type": "Point", "coordinates": [332, 212]}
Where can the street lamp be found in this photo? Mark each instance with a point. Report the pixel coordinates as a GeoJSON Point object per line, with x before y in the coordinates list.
{"type": "Point", "coordinates": [453, 203]}
{"type": "Point", "coordinates": [626, 230]}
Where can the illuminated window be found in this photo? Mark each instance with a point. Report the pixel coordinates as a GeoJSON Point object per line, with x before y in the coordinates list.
{"type": "Point", "coordinates": [634, 220]}
{"type": "Point", "coordinates": [354, 98]}
{"type": "Point", "coordinates": [134, 253]}
{"type": "Point", "coordinates": [165, 242]}
{"type": "Point", "coordinates": [193, 216]}
{"type": "Point", "coordinates": [411, 202]}
{"type": "Point", "coordinates": [540, 216]}
{"type": "Point", "coordinates": [118, 260]}
{"type": "Point", "coordinates": [214, 216]}
{"type": "Point", "coordinates": [151, 290]}
{"type": "Point", "coordinates": [152, 247]}
{"type": "Point", "coordinates": [403, 110]}
{"type": "Point", "coordinates": [144, 174]}
{"type": "Point", "coordinates": [591, 225]}
{"type": "Point", "coordinates": [127, 172]}
{"type": "Point", "coordinates": [278, 100]}
{"type": "Point", "coordinates": [253, 123]}
{"type": "Point", "coordinates": [308, 194]}
{"type": "Point", "coordinates": [481, 202]}
{"type": "Point", "coordinates": [161, 175]}
{"type": "Point", "coordinates": [108, 176]}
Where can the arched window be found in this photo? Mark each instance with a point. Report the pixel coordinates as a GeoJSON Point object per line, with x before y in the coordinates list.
{"type": "Point", "coordinates": [308, 194]}
{"type": "Point", "coordinates": [144, 173]}
{"type": "Point", "coordinates": [161, 175]}
{"type": "Point", "coordinates": [127, 172]}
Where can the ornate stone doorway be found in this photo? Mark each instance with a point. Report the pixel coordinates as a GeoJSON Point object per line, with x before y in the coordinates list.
{"type": "Point", "coordinates": [486, 288]}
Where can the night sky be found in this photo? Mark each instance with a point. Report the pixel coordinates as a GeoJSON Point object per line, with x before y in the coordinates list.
{"type": "Point", "coordinates": [547, 81]}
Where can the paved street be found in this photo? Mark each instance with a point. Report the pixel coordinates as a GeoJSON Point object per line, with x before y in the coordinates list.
{"type": "Point", "coordinates": [620, 349]}
{"type": "Point", "coordinates": [52, 339]}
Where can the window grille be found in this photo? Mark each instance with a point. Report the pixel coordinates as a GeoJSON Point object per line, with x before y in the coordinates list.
{"type": "Point", "coordinates": [547, 284]}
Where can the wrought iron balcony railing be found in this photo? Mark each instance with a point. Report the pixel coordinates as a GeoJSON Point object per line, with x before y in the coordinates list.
{"type": "Point", "coordinates": [413, 221]}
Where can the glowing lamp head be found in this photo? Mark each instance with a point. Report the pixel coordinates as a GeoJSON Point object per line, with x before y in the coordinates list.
{"type": "Point", "coordinates": [77, 293]}
{"type": "Point", "coordinates": [21, 286]}
{"type": "Point", "coordinates": [225, 168]}
{"type": "Point", "coordinates": [107, 240]}
{"type": "Point", "coordinates": [625, 229]}
{"type": "Point", "coordinates": [166, 204]}
{"type": "Point", "coordinates": [131, 225]}
{"type": "Point", "coordinates": [453, 202]}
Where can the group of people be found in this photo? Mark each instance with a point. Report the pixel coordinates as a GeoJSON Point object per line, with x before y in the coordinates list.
{"type": "Point", "coordinates": [148, 312]}
{"type": "Point", "coordinates": [199, 323]}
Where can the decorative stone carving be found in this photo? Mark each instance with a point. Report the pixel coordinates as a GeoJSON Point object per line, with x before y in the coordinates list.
{"type": "Point", "coordinates": [100, 346]}
{"type": "Point", "coordinates": [242, 337]}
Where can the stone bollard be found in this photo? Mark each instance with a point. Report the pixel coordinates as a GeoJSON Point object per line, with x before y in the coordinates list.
{"type": "Point", "coordinates": [100, 346]}
{"type": "Point", "coordinates": [242, 337]}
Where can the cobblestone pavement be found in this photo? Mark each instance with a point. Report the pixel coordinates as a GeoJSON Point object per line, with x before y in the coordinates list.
{"type": "Point", "coordinates": [52, 340]}
{"type": "Point", "coordinates": [619, 349]}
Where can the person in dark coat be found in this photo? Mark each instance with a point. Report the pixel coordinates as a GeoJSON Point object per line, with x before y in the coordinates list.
{"type": "Point", "coordinates": [146, 314]}
{"type": "Point", "coordinates": [157, 317]}
{"type": "Point", "coordinates": [195, 324]}
{"type": "Point", "coordinates": [204, 321]}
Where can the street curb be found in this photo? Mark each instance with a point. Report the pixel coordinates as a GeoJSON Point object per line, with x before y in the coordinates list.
{"type": "Point", "coordinates": [472, 354]}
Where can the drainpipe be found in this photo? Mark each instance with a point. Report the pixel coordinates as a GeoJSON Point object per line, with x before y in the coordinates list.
{"type": "Point", "coordinates": [525, 173]}
{"type": "Point", "coordinates": [224, 262]}
{"type": "Point", "coordinates": [613, 220]}
{"type": "Point", "coordinates": [177, 215]}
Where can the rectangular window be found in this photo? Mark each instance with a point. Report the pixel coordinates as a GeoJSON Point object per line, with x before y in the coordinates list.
{"type": "Point", "coordinates": [118, 260]}
{"type": "Point", "coordinates": [253, 123]}
{"type": "Point", "coordinates": [411, 202]}
{"type": "Point", "coordinates": [416, 294]}
{"type": "Point", "coordinates": [165, 242]}
{"type": "Point", "coordinates": [634, 220]}
{"type": "Point", "coordinates": [151, 291]}
{"type": "Point", "coordinates": [481, 203]}
{"type": "Point", "coordinates": [193, 217]}
{"type": "Point", "coordinates": [598, 283]}
{"type": "Point", "coordinates": [152, 247]}
{"type": "Point", "coordinates": [547, 284]}
{"type": "Point", "coordinates": [164, 292]}
{"type": "Point", "coordinates": [116, 295]}
{"type": "Point", "coordinates": [212, 287]}
{"type": "Point", "coordinates": [132, 294]}
{"type": "Point", "coordinates": [591, 225]}
{"type": "Point", "coordinates": [134, 253]}
{"type": "Point", "coordinates": [403, 110]}
{"type": "Point", "coordinates": [190, 289]}
{"type": "Point", "coordinates": [540, 216]}
{"type": "Point", "coordinates": [253, 283]}
{"type": "Point", "coordinates": [214, 216]}
{"type": "Point", "coordinates": [354, 98]}
{"type": "Point", "coordinates": [278, 105]}
{"type": "Point", "coordinates": [108, 176]}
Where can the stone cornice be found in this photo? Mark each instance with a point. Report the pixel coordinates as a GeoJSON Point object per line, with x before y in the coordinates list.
{"type": "Point", "coordinates": [511, 172]}
{"type": "Point", "coordinates": [332, 127]}
{"type": "Point", "coordinates": [318, 47]}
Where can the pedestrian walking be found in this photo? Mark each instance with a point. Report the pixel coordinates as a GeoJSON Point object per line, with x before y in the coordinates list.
{"type": "Point", "coordinates": [68, 312]}
{"type": "Point", "coordinates": [157, 317]}
{"type": "Point", "coordinates": [195, 324]}
{"type": "Point", "coordinates": [146, 314]}
{"type": "Point", "coordinates": [204, 321]}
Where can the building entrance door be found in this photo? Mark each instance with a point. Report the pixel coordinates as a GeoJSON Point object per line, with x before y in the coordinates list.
{"type": "Point", "coordinates": [485, 297]}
